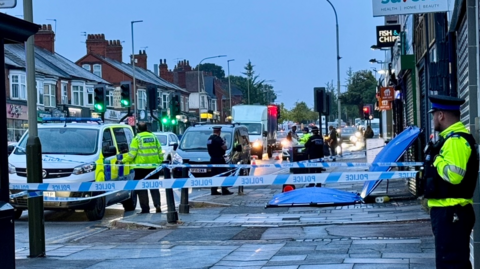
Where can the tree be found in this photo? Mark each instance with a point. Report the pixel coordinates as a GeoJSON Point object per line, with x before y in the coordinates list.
{"type": "Point", "coordinates": [215, 70]}
{"type": "Point", "coordinates": [301, 113]}
{"type": "Point", "coordinates": [284, 113]}
{"type": "Point", "coordinates": [361, 89]}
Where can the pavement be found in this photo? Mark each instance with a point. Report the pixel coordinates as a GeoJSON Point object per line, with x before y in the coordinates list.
{"type": "Point", "coordinates": [238, 231]}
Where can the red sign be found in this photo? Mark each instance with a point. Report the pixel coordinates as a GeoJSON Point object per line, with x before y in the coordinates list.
{"type": "Point", "coordinates": [384, 105]}
{"type": "Point", "coordinates": [131, 121]}
{"type": "Point", "coordinates": [387, 93]}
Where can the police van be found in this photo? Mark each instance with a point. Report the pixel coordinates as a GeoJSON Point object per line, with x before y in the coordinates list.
{"type": "Point", "coordinates": [77, 150]}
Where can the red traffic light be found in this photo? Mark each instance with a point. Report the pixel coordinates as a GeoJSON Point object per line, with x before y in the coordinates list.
{"type": "Point", "coordinates": [366, 109]}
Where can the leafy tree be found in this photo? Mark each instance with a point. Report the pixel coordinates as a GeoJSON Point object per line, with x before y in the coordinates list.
{"type": "Point", "coordinates": [301, 113]}
{"type": "Point", "coordinates": [284, 113]}
{"type": "Point", "coordinates": [216, 70]}
{"type": "Point", "coordinates": [361, 88]}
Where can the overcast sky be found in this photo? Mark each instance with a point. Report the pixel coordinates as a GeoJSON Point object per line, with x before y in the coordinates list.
{"type": "Point", "coordinates": [289, 42]}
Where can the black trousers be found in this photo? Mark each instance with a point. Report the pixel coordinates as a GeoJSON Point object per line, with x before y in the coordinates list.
{"type": "Point", "coordinates": [218, 170]}
{"type": "Point", "coordinates": [143, 194]}
{"type": "Point", "coordinates": [452, 238]}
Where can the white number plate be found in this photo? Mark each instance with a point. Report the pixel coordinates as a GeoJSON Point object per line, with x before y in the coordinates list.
{"type": "Point", "coordinates": [198, 170]}
{"type": "Point", "coordinates": [49, 194]}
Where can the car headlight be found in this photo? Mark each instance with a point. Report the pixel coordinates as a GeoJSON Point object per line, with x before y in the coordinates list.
{"type": "Point", "coordinates": [163, 151]}
{"type": "Point", "coordinates": [84, 168]}
{"type": "Point", "coordinates": [256, 144]}
{"type": "Point", "coordinates": [177, 158]}
{"type": "Point", "coordinates": [284, 142]}
{"type": "Point", "coordinates": [353, 139]}
{"type": "Point", "coordinates": [11, 169]}
{"type": "Point", "coordinates": [358, 134]}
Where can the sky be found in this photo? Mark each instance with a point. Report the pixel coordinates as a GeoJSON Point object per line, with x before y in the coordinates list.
{"type": "Point", "coordinates": [292, 44]}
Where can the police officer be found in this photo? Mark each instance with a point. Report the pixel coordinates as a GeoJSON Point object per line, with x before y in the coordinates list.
{"type": "Point", "coordinates": [451, 169]}
{"type": "Point", "coordinates": [146, 150]}
{"type": "Point", "coordinates": [314, 145]}
{"type": "Point", "coordinates": [305, 136]}
{"type": "Point", "coordinates": [216, 149]}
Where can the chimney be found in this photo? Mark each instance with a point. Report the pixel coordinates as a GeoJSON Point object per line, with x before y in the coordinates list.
{"type": "Point", "coordinates": [163, 71]}
{"type": "Point", "coordinates": [141, 59]}
{"type": "Point", "coordinates": [114, 50]}
{"type": "Point", "coordinates": [45, 38]}
{"type": "Point", "coordinates": [96, 44]}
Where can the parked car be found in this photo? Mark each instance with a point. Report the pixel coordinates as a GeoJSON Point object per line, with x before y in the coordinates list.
{"type": "Point", "coordinates": [346, 133]}
{"type": "Point", "coordinates": [76, 153]}
{"type": "Point", "coordinates": [193, 146]}
{"type": "Point", "coordinates": [168, 140]}
{"type": "Point", "coordinates": [11, 147]}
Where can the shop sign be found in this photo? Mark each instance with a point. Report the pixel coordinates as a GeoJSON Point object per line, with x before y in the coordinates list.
{"type": "Point", "coordinates": [112, 114]}
{"type": "Point", "coordinates": [385, 105]}
{"type": "Point", "coordinates": [402, 7]}
{"type": "Point", "coordinates": [387, 35]}
{"type": "Point", "coordinates": [387, 93]}
{"type": "Point", "coordinates": [17, 112]}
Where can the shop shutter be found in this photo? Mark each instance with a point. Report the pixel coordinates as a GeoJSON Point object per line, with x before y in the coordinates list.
{"type": "Point", "coordinates": [462, 70]}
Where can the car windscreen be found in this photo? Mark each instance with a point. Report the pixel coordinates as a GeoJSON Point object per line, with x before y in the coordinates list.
{"type": "Point", "coordinates": [281, 135]}
{"type": "Point", "coordinates": [162, 139]}
{"type": "Point", "coordinates": [348, 130]}
{"type": "Point", "coordinates": [254, 128]}
{"type": "Point", "coordinates": [67, 141]}
{"type": "Point", "coordinates": [197, 140]}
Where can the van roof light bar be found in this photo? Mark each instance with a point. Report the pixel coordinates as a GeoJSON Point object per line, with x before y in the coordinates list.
{"type": "Point", "coordinates": [63, 119]}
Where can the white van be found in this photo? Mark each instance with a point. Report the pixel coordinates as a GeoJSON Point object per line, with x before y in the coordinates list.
{"type": "Point", "coordinates": [72, 153]}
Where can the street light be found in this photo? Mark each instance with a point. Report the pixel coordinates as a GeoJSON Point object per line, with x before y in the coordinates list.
{"type": "Point", "coordinates": [229, 87]}
{"type": "Point", "coordinates": [198, 71]}
{"type": "Point", "coordinates": [338, 65]}
{"type": "Point", "coordinates": [375, 61]}
{"type": "Point", "coordinates": [135, 101]}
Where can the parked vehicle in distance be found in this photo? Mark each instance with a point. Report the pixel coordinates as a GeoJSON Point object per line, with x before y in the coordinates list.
{"type": "Point", "coordinates": [75, 152]}
{"type": "Point", "coordinates": [346, 133]}
{"type": "Point", "coordinates": [281, 136]}
{"type": "Point", "coordinates": [168, 140]}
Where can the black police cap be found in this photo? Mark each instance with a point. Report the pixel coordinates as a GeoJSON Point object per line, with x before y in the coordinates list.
{"type": "Point", "coordinates": [443, 102]}
{"type": "Point", "coordinates": [314, 129]}
{"type": "Point", "coordinates": [217, 127]}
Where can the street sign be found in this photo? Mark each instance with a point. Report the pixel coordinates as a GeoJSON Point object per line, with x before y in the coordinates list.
{"type": "Point", "coordinates": [385, 105]}
{"type": "Point", "coordinates": [8, 3]}
{"type": "Point", "coordinates": [398, 7]}
{"type": "Point", "coordinates": [387, 35]}
{"type": "Point", "coordinates": [387, 93]}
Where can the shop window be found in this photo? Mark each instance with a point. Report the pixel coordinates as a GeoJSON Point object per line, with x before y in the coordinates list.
{"type": "Point", "coordinates": [15, 129]}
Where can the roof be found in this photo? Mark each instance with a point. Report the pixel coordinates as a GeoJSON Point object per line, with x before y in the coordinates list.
{"type": "Point", "coordinates": [50, 64]}
{"type": "Point", "coordinates": [142, 74]}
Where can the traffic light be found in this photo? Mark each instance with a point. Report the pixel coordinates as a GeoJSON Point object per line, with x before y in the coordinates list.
{"type": "Point", "coordinates": [100, 98]}
{"type": "Point", "coordinates": [125, 88]}
{"type": "Point", "coordinates": [175, 106]}
{"type": "Point", "coordinates": [366, 112]}
{"type": "Point", "coordinates": [278, 112]}
{"type": "Point", "coordinates": [319, 99]}
{"type": "Point", "coordinates": [164, 117]}
{"type": "Point", "coordinates": [152, 93]}
{"type": "Point", "coordinates": [174, 121]}
{"type": "Point", "coordinates": [328, 100]}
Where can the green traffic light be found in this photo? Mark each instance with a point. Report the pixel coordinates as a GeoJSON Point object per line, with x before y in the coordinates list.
{"type": "Point", "coordinates": [125, 103]}
{"type": "Point", "coordinates": [164, 120]}
{"type": "Point", "coordinates": [99, 108]}
{"type": "Point", "coordinates": [174, 121]}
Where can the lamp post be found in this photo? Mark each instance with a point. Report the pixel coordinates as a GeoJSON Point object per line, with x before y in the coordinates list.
{"type": "Point", "coordinates": [135, 101]}
{"type": "Point", "coordinates": [198, 71]}
{"type": "Point", "coordinates": [338, 66]}
{"type": "Point", "coordinates": [229, 87]}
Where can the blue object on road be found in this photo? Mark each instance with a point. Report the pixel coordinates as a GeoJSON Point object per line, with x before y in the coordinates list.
{"type": "Point", "coordinates": [314, 197]}
{"type": "Point", "coordinates": [391, 153]}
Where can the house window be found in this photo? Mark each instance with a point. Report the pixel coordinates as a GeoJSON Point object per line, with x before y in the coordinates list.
{"type": "Point", "coordinates": [87, 67]}
{"type": "Point", "coordinates": [142, 99]}
{"type": "Point", "coordinates": [186, 104]}
{"type": "Point", "coordinates": [97, 69]}
{"type": "Point", "coordinates": [90, 95]}
{"type": "Point", "coordinates": [77, 95]}
{"type": "Point", "coordinates": [110, 97]}
{"type": "Point", "coordinates": [49, 94]}
{"type": "Point", "coordinates": [182, 103]}
{"type": "Point", "coordinates": [39, 88]}
{"type": "Point", "coordinates": [64, 94]}
{"type": "Point", "coordinates": [18, 88]}
{"type": "Point", "coordinates": [214, 105]}
{"type": "Point", "coordinates": [202, 102]}
{"type": "Point", "coordinates": [165, 100]}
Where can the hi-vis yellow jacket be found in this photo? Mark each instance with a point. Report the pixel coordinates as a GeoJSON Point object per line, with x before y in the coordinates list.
{"type": "Point", "coordinates": [145, 151]}
{"type": "Point", "coordinates": [451, 163]}
{"type": "Point", "coordinates": [108, 169]}
{"type": "Point", "coordinates": [304, 138]}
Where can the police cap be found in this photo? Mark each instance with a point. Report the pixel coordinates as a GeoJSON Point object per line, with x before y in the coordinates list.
{"type": "Point", "coordinates": [314, 129]}
{"type": "Point", "coordinates": [445, 103]}
{"type": "Point", "coordinates": [305, 129]}
{"type": "Point", "coordinates": [217, 128]}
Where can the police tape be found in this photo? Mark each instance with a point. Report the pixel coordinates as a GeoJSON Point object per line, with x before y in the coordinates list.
{"type": "Point", "coordinates": [230, 181]}
{"type": "Point", "coordinates": [302, 165]}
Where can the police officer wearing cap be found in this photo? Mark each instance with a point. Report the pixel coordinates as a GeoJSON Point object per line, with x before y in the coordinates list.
{"type": "Point", "coordinates": [305, 136]}
{"type": "Point", "coordinates": [314, 145]}
{"type": "Point", "coordinates": [451, 169]}
{"type": "Point", "coordinates": [216, 149]}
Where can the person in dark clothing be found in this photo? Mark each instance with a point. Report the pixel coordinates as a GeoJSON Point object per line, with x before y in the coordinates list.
{"type": "Point", "coordinates": [292, 134]}
{"type": "Point", "coordinates": [332, 141]}
{"type": "Point", "coordinates": [368, 133]}
{"type": "Point", "coordinates": [216, 149]}
{"type": "Point", "coordinates": [314, 145]}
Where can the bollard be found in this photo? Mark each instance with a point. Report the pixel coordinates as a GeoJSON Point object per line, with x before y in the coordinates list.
{"type": "Point", "coordinates": [184, 207]}
{"type": "Point", "coordinates": [172, 215]}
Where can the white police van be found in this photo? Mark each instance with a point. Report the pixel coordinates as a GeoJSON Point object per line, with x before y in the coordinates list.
{"type": "Point", "coordinates": [73, 151]}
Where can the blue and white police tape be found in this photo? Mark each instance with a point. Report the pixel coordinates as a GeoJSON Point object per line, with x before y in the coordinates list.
{"type": "Point", "coordinates": [303, 165]}
{"type": "Point", "coordinates": [230, 181]}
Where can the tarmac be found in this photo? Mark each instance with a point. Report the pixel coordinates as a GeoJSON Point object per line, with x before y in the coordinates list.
{"type": "Point", "coordinates": [237, 231]}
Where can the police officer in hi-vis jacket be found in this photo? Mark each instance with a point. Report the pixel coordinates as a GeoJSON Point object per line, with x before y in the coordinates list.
{"type": "Point", "coordinates": [451, 169]}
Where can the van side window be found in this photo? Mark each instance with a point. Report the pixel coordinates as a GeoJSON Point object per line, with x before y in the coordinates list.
{"type": "Point", "coordinates": [128, 134]}
{"type": "Point", "coordinates": [121, 139]}
{"type": "Point", "coordinates": [107, 140]}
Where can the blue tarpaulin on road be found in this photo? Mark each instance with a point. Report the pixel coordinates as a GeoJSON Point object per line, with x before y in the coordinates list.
{"type": "Point", "coordinates": [314, 197]}
{"type": "Point", "coordinates": [325, 196]}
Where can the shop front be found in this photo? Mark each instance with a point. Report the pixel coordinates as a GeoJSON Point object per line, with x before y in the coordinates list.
{"type": "Point", "coordinates": [17, 121]}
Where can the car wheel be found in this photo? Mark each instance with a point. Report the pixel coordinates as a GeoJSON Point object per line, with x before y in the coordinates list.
{"type": "Point", "coordinates": [98, 211]}
{"type": "Point", "coordinates": [17, 213]}
{"type": "Point", "coordinates": [131, 203]}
